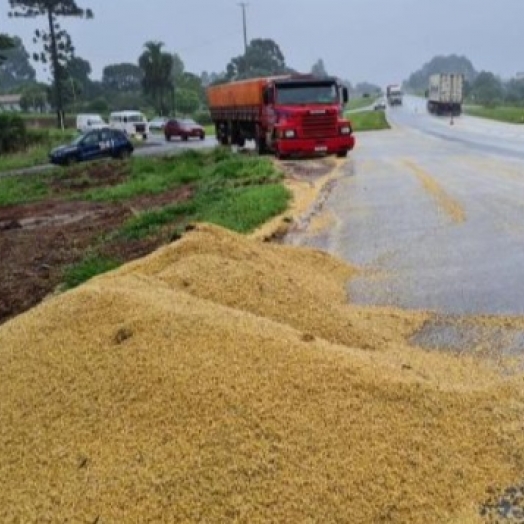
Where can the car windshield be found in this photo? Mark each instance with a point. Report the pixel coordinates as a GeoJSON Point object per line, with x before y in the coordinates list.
{"type": "Point", "coordinates": [77, 140]}
{"type": "Point", "coordinates": [296, 94]}
{"type": "Point", "coordinates": [189, 122]}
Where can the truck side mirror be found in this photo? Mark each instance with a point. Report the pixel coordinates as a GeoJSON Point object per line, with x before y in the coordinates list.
{"type": "Point", "coordinates": [345, 95]}
{"type": "Point", "coordinates": [267, 96]}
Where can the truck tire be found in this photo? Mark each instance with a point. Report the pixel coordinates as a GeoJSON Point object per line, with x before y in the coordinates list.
{"type": "Point", "coordinates": [261, 146]}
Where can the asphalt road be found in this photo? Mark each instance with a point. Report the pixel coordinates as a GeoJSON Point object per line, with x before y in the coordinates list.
{"type": "Point", "coordinates": [433, 210]}
{"type": "Point", "coordinates": [156, 145]}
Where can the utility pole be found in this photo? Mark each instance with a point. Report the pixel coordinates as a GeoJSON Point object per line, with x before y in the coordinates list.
{"type": "Point", "coordinates": [243, 6]}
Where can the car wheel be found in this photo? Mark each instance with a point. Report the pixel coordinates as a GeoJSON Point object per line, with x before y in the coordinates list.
{"type": "Point", "coordinates": [124, 154]}
{"type": "Point", "coordinates": [342, 154]}
{"type": "Point", "coordinates": [71, 161]}
{"type": "Point", "coordinates": [168, 138]}
{"type": "Point", "coordinates": [185, 138]}
{"type": "Point", "coordinates": [203, 136]}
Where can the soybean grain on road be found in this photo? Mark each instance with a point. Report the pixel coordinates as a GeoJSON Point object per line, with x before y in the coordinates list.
{"type": "Point", "coordinates": [433, 211]}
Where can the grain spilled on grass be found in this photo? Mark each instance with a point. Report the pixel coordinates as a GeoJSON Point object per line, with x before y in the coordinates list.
{"type": "Point", "coordinates": [222, 379]}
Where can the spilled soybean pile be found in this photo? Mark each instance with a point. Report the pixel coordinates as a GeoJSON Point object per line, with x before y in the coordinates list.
{"type": "Point", "coordinates": [222, 379]}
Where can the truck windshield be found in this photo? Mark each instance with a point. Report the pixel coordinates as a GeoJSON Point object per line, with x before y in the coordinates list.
{"type": "Point", "coordinates": [296, 94]}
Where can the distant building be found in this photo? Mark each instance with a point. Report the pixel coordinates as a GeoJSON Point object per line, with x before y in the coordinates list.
{"type": "Point", "coordinates": [10, 103]}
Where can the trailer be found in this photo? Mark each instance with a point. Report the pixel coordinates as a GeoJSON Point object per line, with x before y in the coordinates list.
{"type": "Point", "coordinates": [445, 94]}
{"type": "Point", "coordinates": [285, 115]}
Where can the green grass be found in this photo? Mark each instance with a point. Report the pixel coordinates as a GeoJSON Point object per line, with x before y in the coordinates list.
{"type": "Point", "coordinates": [359, 103]}
{"type": "Point", "coordinates": [35, 155]}
{"type": "Point", "coordinates": [149, 222]}
{"type": "Point", "coordinates": [152, 176]}
{"type": "Point", "coordinates": [368, 121]}
{"type": "Point", "coordinates": [235, 191]}
{"type": "Point", "coordinates": [244, 209]}
{"type": "Point", "coordinates": [511, 114]}
{"type": "Point", "coordinates": [239, 192]}
{"type": "Point", "coordinates": [20, 189]}
{"type": "Point", "coordinates": [89, 267]}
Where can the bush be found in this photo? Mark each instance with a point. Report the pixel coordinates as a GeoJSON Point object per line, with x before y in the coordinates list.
{"type": "Point", "coordinates": [13, 134]}
{"type": "Point", "coordinates": [98, 105]}
{"type": "Point", "coordinates": [203, 118]}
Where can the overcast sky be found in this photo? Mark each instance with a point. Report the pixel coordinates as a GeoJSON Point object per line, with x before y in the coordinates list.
{"type": "Point", "coordinates": [381, 41]}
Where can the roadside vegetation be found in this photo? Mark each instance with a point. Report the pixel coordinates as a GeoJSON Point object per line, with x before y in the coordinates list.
{"type": "Point", "coordinates": [22, 147]}
{"type": "Point", "coordinates": [360, 102]}
{"type": "Point", "coordinates": [157, 198]}
{"type": "Point", "coordinates": [510, 114]}
{"type": "Point", "coordinates": [368, 121]}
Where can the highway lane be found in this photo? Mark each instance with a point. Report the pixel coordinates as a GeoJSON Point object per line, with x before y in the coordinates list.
{"type": "Point", "coordinates": [433, 210]}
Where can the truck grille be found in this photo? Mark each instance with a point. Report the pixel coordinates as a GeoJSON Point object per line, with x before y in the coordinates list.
{"type": "Point", "coordinates": [319, 126]}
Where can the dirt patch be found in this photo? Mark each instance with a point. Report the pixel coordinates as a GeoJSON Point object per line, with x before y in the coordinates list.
{"type": "Point", "coordinates": [88, 176]}
{"type": "Point", "coordinates": [39, 240]}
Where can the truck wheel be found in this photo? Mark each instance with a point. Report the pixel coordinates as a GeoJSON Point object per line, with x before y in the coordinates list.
{"type": "Point", "coordinates": [261, 146]}
{"type": "Point", "coordinates": [280, 155]}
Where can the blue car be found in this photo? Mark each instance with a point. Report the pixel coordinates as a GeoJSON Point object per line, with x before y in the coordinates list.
{"type": "Point", "coordinates": [99, 143]}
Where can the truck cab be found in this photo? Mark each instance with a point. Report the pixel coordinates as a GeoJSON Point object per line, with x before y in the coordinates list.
{"type": "Point", "coordinates": [305, 115]}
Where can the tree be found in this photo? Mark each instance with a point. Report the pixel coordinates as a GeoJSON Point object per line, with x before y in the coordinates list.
{"type": "Point", "coordinates": [57, 45]}
{"type": "Point", "coordinates": [6, 43]}
{"type": "Point", "coordinates": [187, 101]}
{"type": "Point", "coordinates": [34, 97]}
{"type": "Point", "coordinates": [263, 57]}
{"type": "Point", "coordinates": [366, 88]}
{"type": "Point", "coordinates": [122, 77]}
{"type": "Point", "coordinates": [487, 89]}
{"type": "Point", "coordinates": [205, 79]}
{"type": "Point", "coordinates": [178, 68]}
{"type": "Point", "coordinates": [15, 68]}
{"type": "Point", "coordinates": [419, 80]}
{"type": "Point", "coordinates": [157, 67]}
{"type": "Point", "coordinates": [319, 68]}
{"type": "Point", "coordinates": [79, 69]}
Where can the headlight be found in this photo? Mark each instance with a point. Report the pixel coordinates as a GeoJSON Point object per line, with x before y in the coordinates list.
{"type": "Point", "coordinates": [345, 130]}
{"type": "Point", "coordinates": [289, 133]}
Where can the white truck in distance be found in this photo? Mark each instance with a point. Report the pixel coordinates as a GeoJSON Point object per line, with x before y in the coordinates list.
{"type": "Point", "coordinates": [445, 94]}
{"type": "Point", "coordinates": [394, 95]}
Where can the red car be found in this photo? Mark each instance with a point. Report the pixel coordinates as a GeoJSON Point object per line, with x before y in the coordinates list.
{"type": "Point", "coordinates": [184, 128]}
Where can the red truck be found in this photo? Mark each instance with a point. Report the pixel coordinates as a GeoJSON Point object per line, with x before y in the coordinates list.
{"type": "Point", "coordinates": [286, 115]}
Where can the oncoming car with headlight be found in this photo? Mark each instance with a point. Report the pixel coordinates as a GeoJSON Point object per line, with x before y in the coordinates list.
{"type": "Point", "coordinates": [101, 143]}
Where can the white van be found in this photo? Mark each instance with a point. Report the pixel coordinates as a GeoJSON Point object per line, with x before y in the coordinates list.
{"type": "Point", "coordinates": [86, 122]}
{"type": "Point", "coordinates": [133, 123]}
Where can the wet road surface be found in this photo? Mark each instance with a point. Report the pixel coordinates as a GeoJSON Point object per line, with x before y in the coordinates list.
{"type": "Point", "coordinates": [433, 210]}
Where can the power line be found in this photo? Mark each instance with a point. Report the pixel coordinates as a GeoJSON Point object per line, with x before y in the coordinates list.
{"type": "Point", "coordinates": [243, 6]}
